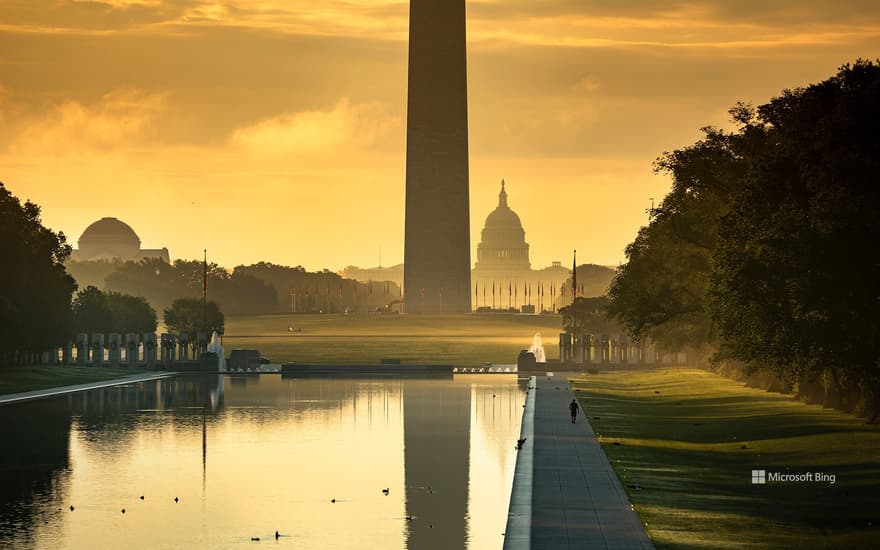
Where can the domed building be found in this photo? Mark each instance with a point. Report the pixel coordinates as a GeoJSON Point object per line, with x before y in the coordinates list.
{"type": "Point", "coordinates": [503, 247]}
{"type": "Point", "coordinates": [109, 239]}
{"type": "Point", "coordinates": [503, 276]}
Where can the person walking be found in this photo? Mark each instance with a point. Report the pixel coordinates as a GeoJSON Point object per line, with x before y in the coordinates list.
{"type": "Point", "coordinates": [573, 407]}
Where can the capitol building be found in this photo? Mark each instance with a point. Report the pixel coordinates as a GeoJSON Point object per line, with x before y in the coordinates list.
{"type": "Point", "coordinates": [503, 276]}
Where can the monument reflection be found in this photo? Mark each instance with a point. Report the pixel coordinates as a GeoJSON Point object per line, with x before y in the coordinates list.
{"type": "Point", "coordinates": [247, 456]}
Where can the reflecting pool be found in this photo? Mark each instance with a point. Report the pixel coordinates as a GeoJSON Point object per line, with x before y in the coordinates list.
{"type": "Point", "coordinates": [220, 461]}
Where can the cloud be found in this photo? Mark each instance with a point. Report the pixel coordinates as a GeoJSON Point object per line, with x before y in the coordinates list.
{"type": "Point", "coordinates": [346, 127]}
{"type": "Point", "coordinates": [120, 118]}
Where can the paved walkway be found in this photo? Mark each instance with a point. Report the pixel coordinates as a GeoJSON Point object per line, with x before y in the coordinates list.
{"type": "Point", "coordinates": [577, 499]}
{"type": "Point", "coordinates": [49, 392]}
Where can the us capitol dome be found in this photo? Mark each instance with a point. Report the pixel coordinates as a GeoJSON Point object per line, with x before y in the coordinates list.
{"type": "Point", "coordinates": [111, 239]}
{"type": "Point", "coordinates": [503, 274]}
{"type": "Point", "coordinates": [503, 245]}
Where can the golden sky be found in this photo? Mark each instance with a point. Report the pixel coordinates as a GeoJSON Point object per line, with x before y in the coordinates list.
{"type": "Point", "coordinates": [275, 129]}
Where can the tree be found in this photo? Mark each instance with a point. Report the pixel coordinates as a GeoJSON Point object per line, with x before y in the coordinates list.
{"type": "Point", "coordinates": [91, 311]}
{"type": "Point", "coordinates": [796, 283]}
{"type": "Point", "coordinates": [765, 245]}
{"type": "Point", "coordinates": [35, 289]}
{"type": "Point", "coordinates": [131, 314]}
{"type": "Point", "coordinates": [587, 315]}
{"type": "Point", "coordinates": [95, 311]}
{"type": "Point", "coordinates": [191, 316]}
{"type": "Point", "coordinates": [661, 292]}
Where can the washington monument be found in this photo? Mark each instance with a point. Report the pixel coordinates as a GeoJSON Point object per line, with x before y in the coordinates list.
{"type": "Point", "coordinates": [437, 259]}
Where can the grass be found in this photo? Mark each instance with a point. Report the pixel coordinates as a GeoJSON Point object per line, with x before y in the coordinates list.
{"type": "Point", "coordinates": [684, 441]}
{"type": "Point", "coordinates": [22, 379]}
{"type": "Point", "coordinates": [460, 340]}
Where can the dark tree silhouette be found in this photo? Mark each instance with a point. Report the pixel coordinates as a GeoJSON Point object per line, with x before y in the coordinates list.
{"type": "Point", "coordinates": [765, 249]}
{"type": "Point", "coordinates": [190, 315]}
{"type": "Point", "coordinates": [95, 311]}
{"type": "Point", "coordinates": [35, 289]}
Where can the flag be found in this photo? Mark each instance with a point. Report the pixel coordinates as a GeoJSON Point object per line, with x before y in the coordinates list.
{"type": "Point", "coordinates": [574, 275]}
{"type": "Point", "coordinates": [205, 277]}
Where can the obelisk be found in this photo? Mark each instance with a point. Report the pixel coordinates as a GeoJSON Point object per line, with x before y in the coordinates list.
{"type": "Point", "coordinates": [437, 259]}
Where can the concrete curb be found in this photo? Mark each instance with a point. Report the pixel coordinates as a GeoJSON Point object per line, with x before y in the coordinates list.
{"type": "Point", "coordinates": [51, 392]}
{"type": "Point", "coordinates": [517, 535]}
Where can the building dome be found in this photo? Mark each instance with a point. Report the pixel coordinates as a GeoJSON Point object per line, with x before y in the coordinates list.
{"type": "Point", "coordinates": [109, 238]}
{"type": "Point", "coordinates": [503, 245]}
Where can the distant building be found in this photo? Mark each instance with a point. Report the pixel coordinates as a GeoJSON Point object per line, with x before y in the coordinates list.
{"type": "Point", "coordinates": [503, 265]}
{"type": "Point", "coordinates": [109, 239]}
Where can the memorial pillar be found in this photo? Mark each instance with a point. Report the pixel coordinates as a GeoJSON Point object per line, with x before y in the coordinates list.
{"type": "Point", "coordinates": [115, 346]}
{"type": "Point", "coordinates": [183, 347]}
{"type": "Point", "coordinates": [131, 349]}
{"type": "Point", "coordinates": [98, 350]}
{"type": "Point", "coordinates": [82, 349]}
{"type": "Point", "coordinates": [67, 353]}
{"type": "Point", "coordinates": [150, 349]}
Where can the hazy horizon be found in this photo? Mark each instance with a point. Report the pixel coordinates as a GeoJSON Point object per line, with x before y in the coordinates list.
{"type": "Point", "coordinates": [275, 131]}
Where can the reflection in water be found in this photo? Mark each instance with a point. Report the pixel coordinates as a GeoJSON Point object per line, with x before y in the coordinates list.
{"type": "Point", "coordinates": [246, 456]}
{"type": "Point", "coordinates": [437, 429]}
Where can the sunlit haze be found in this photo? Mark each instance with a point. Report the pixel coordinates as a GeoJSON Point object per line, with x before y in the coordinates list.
{"type": "Point", "coordinates": [275, 130]}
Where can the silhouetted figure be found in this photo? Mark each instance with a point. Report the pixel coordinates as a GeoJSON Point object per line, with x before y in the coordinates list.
{"type": "Point", "coordinates": [71, 507]}
{"type": "Point", "coordinates": [385, 491]}
{"type": "Point", "coordinates": [333, 500]}
{"type": "Point", "coordinates": [142, 497]}
{"type": "Point", "coordinates": [123, 510]}
{"type": "Point", "coordinates": [276, 535]}
{"type": "Point", "coordinates": [573, 407]}
{"type": "Point", "coordinates": [176, 499]}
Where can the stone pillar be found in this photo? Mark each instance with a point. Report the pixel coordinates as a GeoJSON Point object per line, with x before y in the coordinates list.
{"type": "Point", "coordinates": [624, 349]}
{"type": "Point", "coordinates": [564, 347]}
{"type": "Point", "coordinates": [115, 349]}
{"type": "Point", "coordinates": [183, 346]}
{"type": "Point", "coordinates": [131, 349]}
{"type": "Point", "coordinates": [168, 349]}
{"type": "Point", "coordinates": [574, 348]}
{"type": "Point", "coordinates": [588, 344]}
{"type": "Point", "coordinates": [98, 350]}
{"type": "Point", "coordinates": [150, 349]}
{"type": "Point", "coordinates": [67, 354]}
{"type": "Point", "coordinates": [201, 343]}
{"type": "Point", "coordinates": [578, 352]}
{"type": "Point", "coordinates": [82, 349]}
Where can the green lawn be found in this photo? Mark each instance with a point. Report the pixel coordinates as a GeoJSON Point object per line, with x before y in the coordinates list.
{"type": "Point", "coordinates": [21, 379]}
{"type": "Point", "coordinates": [461, 340]}
{"type": "Point", "coordinates": [684, 442]}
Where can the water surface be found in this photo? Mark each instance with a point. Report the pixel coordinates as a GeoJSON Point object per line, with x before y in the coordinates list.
{"type": "Point", "coordinates": [251, 455]}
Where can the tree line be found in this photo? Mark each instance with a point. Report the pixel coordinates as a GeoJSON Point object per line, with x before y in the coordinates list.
{"type": "Point", "coordinates": [765, 250]}
{"type": "Point", "coordinates": [247, 290]}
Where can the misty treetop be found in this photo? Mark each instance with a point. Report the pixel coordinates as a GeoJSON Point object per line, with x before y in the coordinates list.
{"type": "Point", "coordinates": [192, 315]}
{"type": "Point", "coordinates": [765, 250]}
{"type": "Point", "coordinates": [35, 289]}
{"type": "Point", "coordinates": [254, 289]}
{"type": "Point", "coordinates": [95, 311]}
